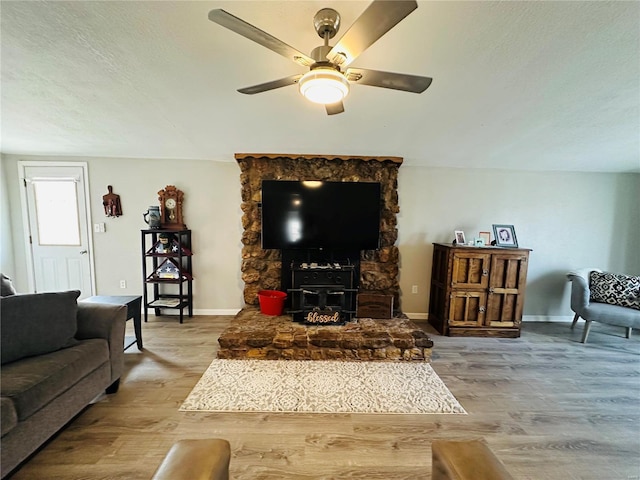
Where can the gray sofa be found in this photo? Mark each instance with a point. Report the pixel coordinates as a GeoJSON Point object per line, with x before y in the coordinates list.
{"type": "Point", "coordinates": [57, 356]}
{"type": "Point", "coordinates": [604, 297]}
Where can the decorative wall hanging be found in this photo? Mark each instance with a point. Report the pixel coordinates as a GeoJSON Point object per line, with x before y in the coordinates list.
{"type": "Point", "coordinates": [111, 203]}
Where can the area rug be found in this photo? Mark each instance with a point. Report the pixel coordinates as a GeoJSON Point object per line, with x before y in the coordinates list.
{"type": "Point", "coordinates": [321, 387]}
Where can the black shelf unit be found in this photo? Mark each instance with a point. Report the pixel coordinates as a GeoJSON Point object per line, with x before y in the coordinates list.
{"type": "Point", "coordinates": [326, 290]}
{"type": "Point", "coordinates": [164, 264]}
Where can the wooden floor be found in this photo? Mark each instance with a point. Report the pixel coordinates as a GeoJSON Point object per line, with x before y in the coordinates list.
{"type": "Point", "coordinates": [549, 407]}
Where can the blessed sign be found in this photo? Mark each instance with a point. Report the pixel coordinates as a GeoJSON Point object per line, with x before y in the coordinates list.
{"type": "Point", "coordinates": [323, 318]}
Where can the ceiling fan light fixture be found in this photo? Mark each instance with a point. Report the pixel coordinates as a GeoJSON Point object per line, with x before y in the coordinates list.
{"type": "Point", "coordinates": [324, 85]}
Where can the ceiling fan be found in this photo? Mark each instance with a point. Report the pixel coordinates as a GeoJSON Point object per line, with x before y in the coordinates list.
{"type": "Point", "coordinates": [328, 80]}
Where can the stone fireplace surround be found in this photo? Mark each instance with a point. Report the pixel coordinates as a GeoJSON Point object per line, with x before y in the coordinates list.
{"type": "Point", "coordinates": [253, 335]}
{"type": "Point", "coordinates": [261, 269]}
{"type": "Point", "coordinates": [258, 336]}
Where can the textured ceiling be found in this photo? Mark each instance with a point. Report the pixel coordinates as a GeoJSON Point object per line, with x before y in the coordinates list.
{"type": "Point", "coordinates": [517, 85]}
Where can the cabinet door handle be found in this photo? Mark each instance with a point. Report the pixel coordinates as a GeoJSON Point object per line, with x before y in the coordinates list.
{"type": "Point", "coordinates": [491, 290]}
{"type": "Point", "coordinates": [482, 309]}
{"type": "Point", "coordinates": [485, 273]}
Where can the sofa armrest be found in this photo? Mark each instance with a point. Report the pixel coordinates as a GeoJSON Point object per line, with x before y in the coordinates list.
{"type": "Point", "coordinates": [580, 293]}
{"type": "Point", "coordinates": [97, 320]}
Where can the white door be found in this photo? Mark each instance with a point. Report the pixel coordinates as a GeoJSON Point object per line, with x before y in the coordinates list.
{"type": "Point", "coordinates": [58, 237]}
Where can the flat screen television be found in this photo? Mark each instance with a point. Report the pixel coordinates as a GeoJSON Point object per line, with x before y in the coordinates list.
{"type": "Point", "coordinates": [320, 215]}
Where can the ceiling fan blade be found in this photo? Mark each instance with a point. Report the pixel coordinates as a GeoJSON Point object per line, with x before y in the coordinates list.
{"type": "Point", "coordinates": [263, 87]}
{"type": "Point", "coordinates": [247, 30]}
{"type": "Point", "coordinates": [379, 17]}
{"type": "Point", "coordinates": [334, 108]}
{"type": "Point", "coordinates": [396, 81]}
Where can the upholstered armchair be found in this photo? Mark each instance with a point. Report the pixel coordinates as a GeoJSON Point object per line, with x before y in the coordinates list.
{"type": "Point", "coordinates": [609, 298]}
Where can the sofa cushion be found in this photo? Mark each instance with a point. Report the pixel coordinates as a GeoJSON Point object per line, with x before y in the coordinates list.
{"type": "Point", "coordinates": [33, 382]}
{"type": "Point", "coordinates": [615, 289]}
{"type": "Point", "coordinates": [8, 415]}
{"type": "Point", "coordinates": [37, 323]}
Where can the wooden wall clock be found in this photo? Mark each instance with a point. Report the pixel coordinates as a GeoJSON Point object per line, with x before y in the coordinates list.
{"type": "Point", "coordinates": [171, 208]}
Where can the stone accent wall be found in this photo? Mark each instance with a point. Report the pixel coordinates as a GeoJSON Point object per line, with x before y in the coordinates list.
{"type": "Point", "coordinates": [379, 269]}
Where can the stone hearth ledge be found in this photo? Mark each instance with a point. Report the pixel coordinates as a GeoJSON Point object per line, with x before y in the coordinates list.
{"type": "Point", "coordinates": [253, 335]}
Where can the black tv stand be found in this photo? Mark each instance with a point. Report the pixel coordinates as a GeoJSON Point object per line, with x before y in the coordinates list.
{"type": "Point", "coordinates": [322, 293]}
{"type": "Point", "coordinates": [319, 257]}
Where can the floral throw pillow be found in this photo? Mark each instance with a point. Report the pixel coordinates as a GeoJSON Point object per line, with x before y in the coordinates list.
{"type": "Point", "coordinates": [615, 289]}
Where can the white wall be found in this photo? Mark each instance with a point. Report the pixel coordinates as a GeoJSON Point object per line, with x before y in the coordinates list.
{"type": "Point", "coordinates": [7, 265]}
{"type": "Point", "coordinates": [569, 220]}
{"type": "Point", "coordinates": [211, 210]}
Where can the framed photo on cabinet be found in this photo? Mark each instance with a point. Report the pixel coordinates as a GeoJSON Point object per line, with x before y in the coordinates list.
{"type": "Point", "coordinates": [486, 236]}
{"type": "Point", "coordinates": [505, 236]}
{"type": "Point", "coordinates": [460, 240]}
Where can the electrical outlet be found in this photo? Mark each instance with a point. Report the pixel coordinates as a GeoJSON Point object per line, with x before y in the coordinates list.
{"type": "Point", "coordinates": [96, 228]}
{"type": "Point", "coordinates": [414, 289]}
{"type": "Point", "coordinates": [123, 284]}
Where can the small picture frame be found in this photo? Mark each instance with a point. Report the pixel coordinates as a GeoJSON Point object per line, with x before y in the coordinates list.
{"type": "Point", "coordinates": [486, 236]}
{"type": "Point", "coordinates": [505, 236]}
{"type": "Point", "coordinates": [479, 242]}
{"type": "Point", "coordinates": [459, 236]}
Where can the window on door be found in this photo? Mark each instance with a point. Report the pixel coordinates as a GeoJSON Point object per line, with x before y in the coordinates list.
{"type": "Point", "coordinates": [57, 212]}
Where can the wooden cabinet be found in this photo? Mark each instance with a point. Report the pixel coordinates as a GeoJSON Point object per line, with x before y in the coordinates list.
{"type": "Point", "coordinates": [167, 270]}
{"type": "Point", "coordinates": [478, 291]}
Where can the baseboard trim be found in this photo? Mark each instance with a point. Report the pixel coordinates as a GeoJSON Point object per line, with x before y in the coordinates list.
{"type": "Point", "coordinates": [418, 316]}
{"type": "Point", "coordinates": [196, 312]}
{"type": "Point", "coordinates": [217, 311]}
{"type": "Point", "coordinates": [525, 318]}
{"type": "Point", "coordinates": [547, 318]}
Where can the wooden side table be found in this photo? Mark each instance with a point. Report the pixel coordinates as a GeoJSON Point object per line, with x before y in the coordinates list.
{"type": "Point", "coordinates": [134, 307]}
